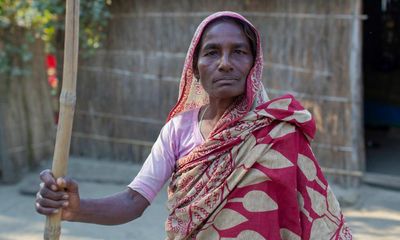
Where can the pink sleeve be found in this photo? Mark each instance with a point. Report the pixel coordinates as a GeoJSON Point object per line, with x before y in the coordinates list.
{"type": "Point", "coordinates": [177, 138]}
{"type": "Point", "coordinates": [158, 166]}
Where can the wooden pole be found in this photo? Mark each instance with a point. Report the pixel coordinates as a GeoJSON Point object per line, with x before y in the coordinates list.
{"type": "Point", "coordinates": [357, 160]}
{"type": "Point", "coordinates": [67, 108]}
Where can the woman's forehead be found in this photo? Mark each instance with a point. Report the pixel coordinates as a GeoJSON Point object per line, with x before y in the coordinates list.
{"type": "Point", "coordinates": [223, 31]}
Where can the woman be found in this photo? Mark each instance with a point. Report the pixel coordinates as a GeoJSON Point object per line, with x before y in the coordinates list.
{"type": "Point", "coordinates": [241, 166]}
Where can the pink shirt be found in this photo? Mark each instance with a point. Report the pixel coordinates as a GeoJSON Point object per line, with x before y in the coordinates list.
{"type": "Point", "coordinates": [177, 138]}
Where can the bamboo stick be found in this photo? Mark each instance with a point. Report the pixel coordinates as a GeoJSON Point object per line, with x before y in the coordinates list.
{"type": "Point", "coordinates": [67, 108]}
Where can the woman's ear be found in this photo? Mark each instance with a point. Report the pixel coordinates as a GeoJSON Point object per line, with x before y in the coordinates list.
{"type": "Point", "coordinates": [194, 66]}
{"type": "Point", "coordinates": [196, 73]}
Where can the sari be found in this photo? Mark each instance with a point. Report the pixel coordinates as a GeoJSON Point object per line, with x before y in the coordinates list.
{"type": "Point", "coordinates": [255, 176]}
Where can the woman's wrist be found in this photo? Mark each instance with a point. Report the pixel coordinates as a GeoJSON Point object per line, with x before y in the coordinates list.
{"type": "Point", "coordinates": [78, 213]}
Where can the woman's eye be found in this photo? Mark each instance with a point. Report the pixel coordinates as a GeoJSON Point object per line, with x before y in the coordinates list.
{"type": "Point", "coordinates": [238, 51]}
{"type": "Point", "coordinates": [210, 53]}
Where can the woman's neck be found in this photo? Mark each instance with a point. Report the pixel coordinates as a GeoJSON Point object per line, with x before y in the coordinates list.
{"type": "Point", "coordinates": [216, 109]}
{"type": "Point", "coordinates": [211, 114]}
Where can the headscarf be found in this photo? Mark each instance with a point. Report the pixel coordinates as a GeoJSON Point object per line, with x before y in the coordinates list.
{"type": "Point", "coordinates": [192, 94]}
{"type": "Point", "coordinates": [255, 176]}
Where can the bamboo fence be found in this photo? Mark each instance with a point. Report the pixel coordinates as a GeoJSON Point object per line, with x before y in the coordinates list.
{"type": "Point", "coordinates": [311, 49]}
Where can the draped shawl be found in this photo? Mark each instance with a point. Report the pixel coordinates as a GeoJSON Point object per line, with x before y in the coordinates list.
{"type": "Point", "coordinates": [255, 176]}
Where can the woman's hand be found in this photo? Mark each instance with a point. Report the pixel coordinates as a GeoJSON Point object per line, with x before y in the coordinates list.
{"type": "Point", "coordinates": [56, 194]}
{"type": "Point", "coordinates": [62, 193]}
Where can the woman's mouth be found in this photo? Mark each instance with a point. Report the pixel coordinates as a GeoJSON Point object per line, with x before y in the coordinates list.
{"type": "Point", "coordinates": [225, 80]}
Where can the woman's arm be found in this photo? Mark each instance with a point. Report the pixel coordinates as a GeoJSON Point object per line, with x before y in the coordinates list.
{"type": "Point", "coordinates": [63, 193]}
{"type": "Point", "coordinates": [119, 208]}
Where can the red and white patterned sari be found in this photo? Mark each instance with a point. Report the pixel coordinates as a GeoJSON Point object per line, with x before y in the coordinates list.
{"type": "Point", "coordinates": [255, 177]}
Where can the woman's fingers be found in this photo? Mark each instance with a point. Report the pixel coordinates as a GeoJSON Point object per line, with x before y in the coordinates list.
{"type": "Point", "coordinates": [56, 193]}
{"type": "Point", "coordinates": [48, 179]}
{"type": "Point", "coordinates": [48, 206]}
{"type": "Point", "coordinates": [49, 203]}
{"type": "Point", "coordinates": [51, 196]}
{"type": "Point", "coordinates": [44, 210]}
{"type": "Point", "coordinates": [45, 192]}
{"type": "Point", "coordinates": [66, 183]}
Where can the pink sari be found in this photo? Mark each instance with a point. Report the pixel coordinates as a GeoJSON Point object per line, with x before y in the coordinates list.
{"type": "Point", "coordinates": [255, 177]}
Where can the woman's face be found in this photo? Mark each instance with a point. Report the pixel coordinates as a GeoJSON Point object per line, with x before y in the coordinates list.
{"type": "Point", "coordinates": [224, 60]}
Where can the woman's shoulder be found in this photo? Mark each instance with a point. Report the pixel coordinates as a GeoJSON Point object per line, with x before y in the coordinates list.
{"type": "Point", "coordinates": [182, 125]}
{"type": "Point", "coordinates": [184, 132]}
{"type": "Point", "coordinates": [187, 118]}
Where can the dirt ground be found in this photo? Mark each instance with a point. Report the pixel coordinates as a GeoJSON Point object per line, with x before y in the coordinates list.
{"type": "Point", "coordinates": [375, 215]}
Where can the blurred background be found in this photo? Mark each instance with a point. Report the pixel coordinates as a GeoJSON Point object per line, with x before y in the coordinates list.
{"type": "Point", "coordinates": [340, 58]}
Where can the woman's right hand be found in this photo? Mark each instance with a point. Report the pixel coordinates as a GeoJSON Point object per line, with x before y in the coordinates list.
{"type": "Point", "coordinates": [55, 194]}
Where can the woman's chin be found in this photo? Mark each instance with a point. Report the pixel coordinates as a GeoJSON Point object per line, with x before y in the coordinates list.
{"type": "Point", "coordinates": [226, 93]}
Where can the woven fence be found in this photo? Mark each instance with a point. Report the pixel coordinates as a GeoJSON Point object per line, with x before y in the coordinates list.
{"type": "Point", "coordinates": [26, 119]}
{"type": "Point", "coordinates": [311, 50]}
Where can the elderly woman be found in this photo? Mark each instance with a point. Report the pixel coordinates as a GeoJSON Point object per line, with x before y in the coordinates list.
{"type": "Point", "coordinates": [241, 166]}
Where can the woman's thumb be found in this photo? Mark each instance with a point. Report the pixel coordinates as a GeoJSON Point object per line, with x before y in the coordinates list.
{"type": "Point", "coordinates": [68, 184]}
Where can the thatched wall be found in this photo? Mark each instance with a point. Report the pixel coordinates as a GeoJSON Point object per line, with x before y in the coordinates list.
{"type": "Point", "coordinates": [311, 49]}
{"type": "Point", "coordinates": [26, 118]}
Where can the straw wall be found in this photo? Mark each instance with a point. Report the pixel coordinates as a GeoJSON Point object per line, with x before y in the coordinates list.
{"type": "Point", "coordinates": [311, 50]}
{"type": "Point", "coordinates": [26, 120]}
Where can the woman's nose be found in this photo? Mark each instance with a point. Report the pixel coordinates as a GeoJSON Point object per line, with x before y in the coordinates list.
{"type": "Point", "coordinates": [225, 63]}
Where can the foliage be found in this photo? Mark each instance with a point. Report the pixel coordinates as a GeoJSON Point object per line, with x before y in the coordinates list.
{"type": "Point", "coordinates": [24, 21]}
